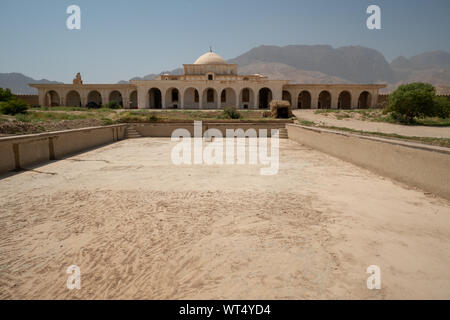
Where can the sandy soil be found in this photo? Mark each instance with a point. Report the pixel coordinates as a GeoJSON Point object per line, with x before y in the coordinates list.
{"type": "Point", "coordinates": [140, 227]}
{"type": "Point", "coordinates": [410, 131]}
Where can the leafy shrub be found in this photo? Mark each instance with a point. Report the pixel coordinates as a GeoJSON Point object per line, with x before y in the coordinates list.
{"type": "Point", "coordinates": [153, 117]}
{"type": "Point", "coordinates": [93, 105]}
{"type": "Point", "coordinates": [231, 113]}
{"type": "Point", "coordinates": [22, 117]}
{"type": "Point", "coordinates": [107, 121]}
{"type": "Point", "coordinates": [5, 95]}
{"type": "Point", "coordinates": [410, 101]}
{"type": "Point", "coordinates": [441, 107]}
{"type": "Point", "coordinates": [113, 105]}
{"type": "Point", "coordinates": [13, 107]}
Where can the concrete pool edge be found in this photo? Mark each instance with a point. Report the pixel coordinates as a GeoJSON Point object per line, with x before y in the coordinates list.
{"type": "Point", "coordinates": [423, 166]}
{"type": "Point", "coordinates": [19, 152]}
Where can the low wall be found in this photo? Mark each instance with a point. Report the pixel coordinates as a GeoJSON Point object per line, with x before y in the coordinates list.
{"type": "Point", "coordinates": [423, 166]}
{"type": "Point", "coordinates": [18, 152]}
{"type": "Point", "coordinates": [383, 101]}
{"type": "Point", "coordinates": [30, 99]}
{"type": "Point", "coordinates": [165, 129]}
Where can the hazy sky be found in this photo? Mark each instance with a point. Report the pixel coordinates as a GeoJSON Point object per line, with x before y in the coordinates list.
{"type": "Point", "coordinates": [122, 39]}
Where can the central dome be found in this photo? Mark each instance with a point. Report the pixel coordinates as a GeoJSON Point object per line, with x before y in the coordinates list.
{"type": "Point", "coordinates": [210, 58]}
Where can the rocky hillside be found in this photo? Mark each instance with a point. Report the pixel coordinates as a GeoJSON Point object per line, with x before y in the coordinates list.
{"type": "Point", "coordinates": [432, 67]}
{"type": "Point", "coordinates": [354, 64]}
{"type": "Point", "coordinates": [281, 71]}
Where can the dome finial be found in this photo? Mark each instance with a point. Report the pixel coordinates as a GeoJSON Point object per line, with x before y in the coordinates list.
{"type": "Point", "coordinates": [210, 49]}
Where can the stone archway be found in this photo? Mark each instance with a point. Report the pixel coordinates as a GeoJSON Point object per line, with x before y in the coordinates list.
{"type": "Point", "coordinates": [345, 100]}
{"type": "Point", "coordinates": [116, 96]}
{"type": "Point", "coordinates": [94, 99]}
{"type": "Point", "coordinates": [173, 98]}
{"type": "Point", "coordinates": [304, 100]}
{"type": "Point", "coordinates": [133, 100]}
{"type": "Point", "coordinates": [209, 98]}
{"type": "Point", "coordinates": [52, 99]}
{"type": "Point", "coordinates": [155, 98]}
{"type": "Point", "coordinates": [365, 100]}
{"type": "Point", "coordinates": [287, 97]}
{"type": "Point", "coordinates": [73, 99]}
{"type": "Point", "coordinates": [324, 100]}
{"type": "Point", "coordinates": [191, 99]}
{"type": "Point", "coordinates": [228, 98]}
{"type": "Point", "coordinates": [265, 96]}
{"type": "Point", "coordinates": [246, 98]}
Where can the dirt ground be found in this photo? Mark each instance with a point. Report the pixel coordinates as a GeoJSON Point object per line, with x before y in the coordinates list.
{"type": "Point", "coordinates": [140, 227]}
{"type": "Point", "coordinates": [9, 128]}
{"type": "Point", "coordinates": [410, 131]}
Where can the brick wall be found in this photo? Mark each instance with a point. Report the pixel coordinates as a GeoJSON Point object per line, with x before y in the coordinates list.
{"type": "Point", "coordinates": [31, 99]}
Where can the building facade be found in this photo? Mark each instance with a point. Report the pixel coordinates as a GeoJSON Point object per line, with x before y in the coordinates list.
{"type": "Point", "coordinates": [210, 83]}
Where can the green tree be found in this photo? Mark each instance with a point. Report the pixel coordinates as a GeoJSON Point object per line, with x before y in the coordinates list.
{"type": "Point", "coordinates": [5, 94]}
{"type": "Point", "coordinates": [441, 107]}
{"type": "Point", "coordinates": [13, 107]}
{"type": "Point", "coordinates": [410, 101]}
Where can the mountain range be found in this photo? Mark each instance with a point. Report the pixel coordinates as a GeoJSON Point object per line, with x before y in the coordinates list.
{"type": "Point", "coordinates": [18, 83]}
{"type": "Point", "coordinates": [314, 64]}
{"type": "Point", "coordinates": [352, 64]}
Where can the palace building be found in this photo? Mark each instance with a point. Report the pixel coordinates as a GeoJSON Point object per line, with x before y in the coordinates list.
{"type": "Point", "coordinates": [210, 83]}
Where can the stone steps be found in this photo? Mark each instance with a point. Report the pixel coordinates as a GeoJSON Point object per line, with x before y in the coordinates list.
{"type": "Point", "coordinates": [283, 134]}
{"type": "Point", "coordinates": [132, 133]}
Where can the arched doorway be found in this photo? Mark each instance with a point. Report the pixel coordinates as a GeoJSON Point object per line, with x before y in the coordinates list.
{"type": "Point", "coordinates": [246, 98]}
{"type": "Point", "coordinates": [155, 98]}
{"type": "Point", "coordinates": [287, 96]}
{"type": "Point", "coordinates": [73, 99]}
{"type": "Point", "coordinates": [52, 99]}
{"type": "Point", "coordinates": [228, 98]}
{"type": "Point", "coordinates": [116, 97]}
{"type": "Point", "coordinates": [173, 98]}
{"type": "Point", "coordinates": [133, 100]}
{"type": "Point", "coordinates": [265, 96]}
{"type": "Point", "coordinates": [209, 99]}
{"type": "Point", "coordinates": [324, 100]}
{"type": "Point", "coordinates": [94, 99]}
{"type": "Point", "coordinates": [191, 99]}
{"type": "Point", "coordinates": [365, 100]}
{"type": "Point", "coordinates": [304, 100]}
{"type": "Point", "coordinates": [345, 100]}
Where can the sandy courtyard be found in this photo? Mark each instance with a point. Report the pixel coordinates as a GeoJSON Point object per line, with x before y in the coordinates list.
{"type": "Point", "coordinates": [140, 227]}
